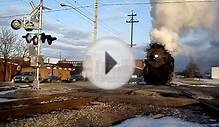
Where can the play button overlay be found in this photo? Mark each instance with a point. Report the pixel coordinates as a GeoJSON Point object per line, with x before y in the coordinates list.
{"type": "Point", "coordinates": [109, 63]}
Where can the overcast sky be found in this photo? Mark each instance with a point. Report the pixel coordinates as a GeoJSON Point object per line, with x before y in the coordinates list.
{"type": "Point", "coordinates": [74, 32]}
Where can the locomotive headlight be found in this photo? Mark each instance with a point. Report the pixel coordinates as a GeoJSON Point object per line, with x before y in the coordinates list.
{"type": "Point", "coordinates": [156, 56]}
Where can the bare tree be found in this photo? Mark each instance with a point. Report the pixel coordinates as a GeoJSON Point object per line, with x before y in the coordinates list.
{"type": "Point", "coordinates": [10, 46]}
{"type": "Point", "coordinates": [21, 49]}
{"type": "Point", "coordinates": [192, 70]}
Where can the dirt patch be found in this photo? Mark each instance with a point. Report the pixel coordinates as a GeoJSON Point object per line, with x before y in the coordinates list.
{"type": "Point", "coordinates": [109, 107]}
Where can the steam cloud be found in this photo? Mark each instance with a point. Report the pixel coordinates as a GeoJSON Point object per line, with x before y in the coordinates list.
{"type": "Point", "coordinates": [172, 21]}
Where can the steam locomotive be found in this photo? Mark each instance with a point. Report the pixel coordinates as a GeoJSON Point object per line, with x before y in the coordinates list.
{"type": "Point", "coordinates": [159, 65]}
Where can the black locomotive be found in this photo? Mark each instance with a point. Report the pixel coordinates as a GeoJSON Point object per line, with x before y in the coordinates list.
{"type": "Point", "coordinates": [159, 65]}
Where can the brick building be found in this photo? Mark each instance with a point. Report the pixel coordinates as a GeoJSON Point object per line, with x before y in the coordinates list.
{"type": "Point", "coordinates": [64, 69]}
{"type": "Point", "coordinates": [75, 65]}
{"type": "Point", "coordinates": [13, 66]}
{"type": "Point", "coordinates": [138, 66]}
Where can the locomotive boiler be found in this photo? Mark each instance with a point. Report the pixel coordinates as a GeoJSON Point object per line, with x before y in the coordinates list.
{"type": "Point", "coordinates": [159, 65]}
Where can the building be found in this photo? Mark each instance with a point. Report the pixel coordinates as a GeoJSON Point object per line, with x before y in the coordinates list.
{"type": "Point", "coordinates": [138, 65]}
{"type": "Point", "coordinates": [13, 67]}
{"type": "Point", "coordinates": [215, 72]}
{"type": "Point", "coordinates": [63, 69]}
{"type": "Point", "coordinates": [49, 70]}
{"type": "Point", "coordinates": [76, 66]}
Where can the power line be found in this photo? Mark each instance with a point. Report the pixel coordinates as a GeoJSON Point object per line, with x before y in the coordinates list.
{"type": "Point", "coordinates": [56, 10]}
{"type": "Point", "coordinates": [79, 11]}
{"type": "Point", "coordinates": [90, 19]}
{"type": "Point", "coordinates": [102, 23]}
{"type": "Point", "coordinates": [123, 4]}
{"type": "Point", "coordinates": [89, 12]}
{"type": "Point", "coordinates": [159, 2]}
{"type": "Point", "coordinates": [11, 16]}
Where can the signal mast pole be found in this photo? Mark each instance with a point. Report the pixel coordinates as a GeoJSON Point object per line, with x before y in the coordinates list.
{"type": "Point", "coordinates": [132, 21]}
{"type": "Point", "coordinates": [28, 23]}
{"type": "Point", "coordinates": [39, 43]}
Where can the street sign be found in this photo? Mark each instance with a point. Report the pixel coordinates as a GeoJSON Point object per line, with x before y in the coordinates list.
{"type": "Point", "coordinates": [32, 51]}
{"type": "Point", "coordinates": [33, 61]}
{"type": "Point", "coordinates": [36, 60]}
{"type": "Point", "coordinates": [40, 60]}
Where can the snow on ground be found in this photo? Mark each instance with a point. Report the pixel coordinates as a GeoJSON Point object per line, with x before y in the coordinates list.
{"type": "Point", "coordinates": [210, 81]}
{"type": "Point", "coordinates": [162, 122]}
{"type": "Point", "coordinates": [7, 91]}
{"type": "Point", "coordinates": [5, 100]}
{"type": "Point", "coordinates": [180, 83]}
{"type": "Point", "coordinates": [203, 83]}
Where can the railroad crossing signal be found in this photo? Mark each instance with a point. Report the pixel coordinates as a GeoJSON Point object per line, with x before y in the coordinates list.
{"type": "Point", "coordinates": [34, 22]}
{"type": "Point", "coordinates": [28, 37]}
{"type": "Point", "coordinates": [16, 24]}
{"type": "Point", "coordinates": [50, 39]}
{"type": "Point", "coordinates": [43, 37]}
{"type": "Point", "coordinates": [28, 23]}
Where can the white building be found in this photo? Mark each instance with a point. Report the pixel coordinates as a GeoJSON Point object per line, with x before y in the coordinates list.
{"type": "Point", "coordinates": [215, 72]}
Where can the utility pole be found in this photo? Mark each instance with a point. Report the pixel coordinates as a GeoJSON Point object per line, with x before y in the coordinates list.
{"type": "Point", "coordinates": [95, 21]}
{"type": "Point", "coordinates": [132, 21]}
{"type": "Point", "coordinates": [95, 37]}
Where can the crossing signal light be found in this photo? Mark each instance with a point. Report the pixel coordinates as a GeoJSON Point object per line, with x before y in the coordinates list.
{"type": "Point", "coordinates": [28, 26]}
{"type": "Point", "coordinates": [50, 39]}
{"type": "Point", "coordinates": [43, 37]}
{"type": "Point", "coordinates": [35, 40]}
{"type": "Point", "coordinates": [16, 24]}
{"type": "Point", "coordinates": [28, 37]}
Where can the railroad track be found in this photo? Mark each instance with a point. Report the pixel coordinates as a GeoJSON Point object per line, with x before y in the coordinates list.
{"type": "Point", "coordinates": [39, 105]}
{"type": "Point", "coordinates": [46, 104]}
{"type": "Point", "coordinates": [191, 95]}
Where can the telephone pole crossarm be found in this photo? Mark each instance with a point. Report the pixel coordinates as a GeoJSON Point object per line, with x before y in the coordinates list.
{"type": "Point", "coordinates": [132, 21]}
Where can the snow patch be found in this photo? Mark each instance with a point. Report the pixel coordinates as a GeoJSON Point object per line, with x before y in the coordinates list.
{"type": "Point", "coordinates": [7, 91]}
{"type": "Point", "coordinates": [210, 81]}
{"type": "Point", "coordinates": [162, 122]}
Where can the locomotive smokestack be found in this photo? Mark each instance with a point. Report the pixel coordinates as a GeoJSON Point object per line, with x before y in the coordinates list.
{"type": "Point", "coordinates": [177, 18]}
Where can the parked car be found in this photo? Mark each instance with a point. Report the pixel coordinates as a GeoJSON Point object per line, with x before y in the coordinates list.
{"type": "Point", "coordinates": [132, 81]}
{"type": "Point", "coordinates": [53, 78]}
{"type": "Point", "coordinates": [138, 81]}
{"type": "Point", "coordinates": [75, 78]}
{"type": "Point", "coordinates": [24, 77]}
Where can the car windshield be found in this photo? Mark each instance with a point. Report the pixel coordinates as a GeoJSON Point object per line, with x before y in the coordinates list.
{"type": "Point", "coordinates": [53, 77]}
{"type": "Point", "coordinates": [76, 76]}
{"type": "Point", "coordinates": [26, 73]}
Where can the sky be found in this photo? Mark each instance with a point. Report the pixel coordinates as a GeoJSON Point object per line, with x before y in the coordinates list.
{"type": "Point", "coordinates": [74, 31]}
